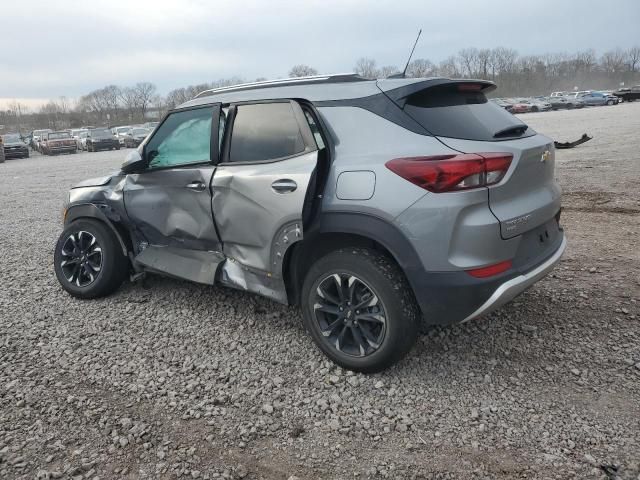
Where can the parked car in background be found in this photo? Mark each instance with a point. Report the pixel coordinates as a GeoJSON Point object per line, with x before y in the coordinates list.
{"type": "Point", "coordinates": [14, 146]}
{"type": "Point", "coordinates": [597, 98]}
{"type": "Point", "coordinates": [501, 102]}
{"type": "Point", "coordinates": [518, 107]}
{"type": "Point", "coordinates": [151, 125]}
{"type": "Point", "coordinates": [535, 105]}
{"type": "Point", "coordinates": [135, 136]}
{"type": "Point", "coordinates": [75, 134]}
{"type": "Point", "coordinates": [101, 139]}
{"type": "Point", "coordinates": [58, 142]}
{"type": "Point", "coordinates": [81, 141]}
{"type": "Point", "coordinates": [36, 136]}
{"type": "Point", "coordinates": [558, 103]}
{"type": "Point", "coordinates": [628, 94]}
{"type": "Point", "coordinates": [120, 133]}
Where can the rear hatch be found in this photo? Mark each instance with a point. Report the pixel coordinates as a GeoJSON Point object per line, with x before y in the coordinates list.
{"type": "Point", "coordinates": [459, 115]}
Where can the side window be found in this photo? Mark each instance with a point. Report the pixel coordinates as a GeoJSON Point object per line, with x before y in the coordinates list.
{"type": "Point", "coordinates": [183, 138]}
{"type": "Point", "coordinates": [265, 131]}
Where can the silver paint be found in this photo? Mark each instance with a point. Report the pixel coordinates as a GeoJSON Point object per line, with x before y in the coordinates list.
{"type": "Point", "coordinates": [250, 214]}
{"type": "Point", "coordinates": [356, 185]}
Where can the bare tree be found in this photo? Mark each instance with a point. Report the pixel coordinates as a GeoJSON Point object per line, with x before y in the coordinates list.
{"type": "Point", "coordinates": [484, 59]}
{"type": "Point", "coordinates": [449, 68]}
{"type": "Point", "coordinates": [421, 68]}
{"type": "Point", "coordinates": [633, 58]}
{"type": "Point", "coordinates": [388, 70]}
{"type": "Point", "coordinates": [613, 61]}
{"type": "Point", "coordinates": [366, 67]}
{"type": "Point", "coordinates": [469, 60]}
{"type": "Point", "coordinates": [302, 71]}
{"type": "Point", "coordinates": [145, 95]}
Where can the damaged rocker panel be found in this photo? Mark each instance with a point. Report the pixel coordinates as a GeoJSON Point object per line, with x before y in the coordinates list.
{"type": "Point", "coordinates": [194, 265]}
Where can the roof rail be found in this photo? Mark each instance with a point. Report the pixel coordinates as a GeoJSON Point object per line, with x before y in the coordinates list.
{"type": "Point", "coordinates": [332, 78]}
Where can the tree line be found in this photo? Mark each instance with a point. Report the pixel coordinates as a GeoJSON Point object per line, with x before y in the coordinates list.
{"type": "Point", "coordinates": [515, 74]}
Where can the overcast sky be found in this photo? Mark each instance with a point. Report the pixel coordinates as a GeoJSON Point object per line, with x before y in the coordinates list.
{"type": "Point", "coordinates": [66, 47]}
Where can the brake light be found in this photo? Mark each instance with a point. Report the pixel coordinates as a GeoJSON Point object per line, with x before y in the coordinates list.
{"type": "Point", "coordinates": [469, 87]}
{"type": "Point", "coordinates": [491, 270]}
{"type": "Point", "coordinates": [448, 173]}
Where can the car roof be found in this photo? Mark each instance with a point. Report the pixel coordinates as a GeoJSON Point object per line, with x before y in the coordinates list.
{"type": "Point", "coordinates": [316, 89]}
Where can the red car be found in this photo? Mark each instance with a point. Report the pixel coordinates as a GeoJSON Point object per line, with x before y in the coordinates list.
{"type": "Point", "coordinates": [517, 107]}
{"type": "Point", "coordinates": [58, 142]}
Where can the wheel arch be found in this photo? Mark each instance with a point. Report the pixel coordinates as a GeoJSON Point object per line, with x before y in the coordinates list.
{"type": "Point", "coordinates": [93, 211]}
{"type": "Point", "coordinates": [347, 229]}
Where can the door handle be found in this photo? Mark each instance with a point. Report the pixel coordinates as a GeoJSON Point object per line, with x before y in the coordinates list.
{"type": "Point", "coordinates": [197, 186]}
{"type": "Point", "coordinates": [284, 185]}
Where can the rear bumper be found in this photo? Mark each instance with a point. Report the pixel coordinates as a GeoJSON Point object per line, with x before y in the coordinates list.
{"type": "Point", "coordinates": [511, 288]}
{"type": "Point", "coordinates": [447, 298]}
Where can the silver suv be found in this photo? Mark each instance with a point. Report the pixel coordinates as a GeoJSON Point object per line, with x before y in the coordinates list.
{"type": "Point", "coordinates": [373, 205]}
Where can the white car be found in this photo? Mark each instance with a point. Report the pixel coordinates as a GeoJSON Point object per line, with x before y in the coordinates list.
{"type": "Point", "coordinates": [37, 136]}
{"type": "Point", "coordinates": [120, 133]}
{"type": "Point", "coordinates": [75, 134]}
{"type": "Point", "coordinates": [81, 141]}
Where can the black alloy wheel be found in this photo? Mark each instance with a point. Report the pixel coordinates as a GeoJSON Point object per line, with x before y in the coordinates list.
{"type": "Point", "coordinates": [350, 315]}
{"type": "Point", "coordinates": [81, 258]}
{"type": "Point", "coordinates": [88, 259]}
{"type": "Point", "coordinates": [359, 309]}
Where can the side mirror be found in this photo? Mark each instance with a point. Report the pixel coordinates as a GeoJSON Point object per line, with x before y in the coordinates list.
{"type": "Point", "coordinates": [133, 163]}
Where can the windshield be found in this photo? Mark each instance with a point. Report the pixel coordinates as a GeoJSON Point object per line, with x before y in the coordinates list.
{"type": "Point", "coordinates": [139, 131]}
{"type": "Point", "coordinates": [58, 135]}
{"type": "Point", "coordinates": [122, 129]}
{"type": "Point", "coordinates": [101, 133]}
{"type": "Point", "coordinates": [12, 137]}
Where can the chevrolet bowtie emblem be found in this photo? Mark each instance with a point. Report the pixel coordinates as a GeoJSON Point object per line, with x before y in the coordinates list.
{"type": "Point", "coordinates": [545, 156]}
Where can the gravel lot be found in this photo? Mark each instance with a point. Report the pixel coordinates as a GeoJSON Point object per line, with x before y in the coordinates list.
{"type": "Point", "coordinates": [170, 379]}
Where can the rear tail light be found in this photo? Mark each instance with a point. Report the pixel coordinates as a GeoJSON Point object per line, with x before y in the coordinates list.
{"type": "Point", "coordinates": [491, 270]}
{"type": "Point", "coordinates": [449, 173]}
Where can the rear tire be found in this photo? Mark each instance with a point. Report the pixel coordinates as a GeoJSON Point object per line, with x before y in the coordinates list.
{"type": "Point", "coordinates": [368, 323]}
{"type": "Point", "coordinates": [88, 259]}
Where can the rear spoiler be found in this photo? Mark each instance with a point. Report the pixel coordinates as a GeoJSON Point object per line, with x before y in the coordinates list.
{"type": "Point", "coordinates": [399, 90]}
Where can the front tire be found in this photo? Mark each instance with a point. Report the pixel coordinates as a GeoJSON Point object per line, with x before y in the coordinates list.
{"type": "Point", "coordinates": [88, 260]}
{"type": "Point", "coordinates": [359, 309]}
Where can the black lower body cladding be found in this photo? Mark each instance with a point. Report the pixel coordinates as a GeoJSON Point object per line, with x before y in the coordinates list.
{"type": "Point", "coordinates": [447, 298]}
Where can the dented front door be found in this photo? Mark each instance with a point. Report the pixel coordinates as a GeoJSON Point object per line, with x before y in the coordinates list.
{"type": "Point", "coordinates": [170, 201]}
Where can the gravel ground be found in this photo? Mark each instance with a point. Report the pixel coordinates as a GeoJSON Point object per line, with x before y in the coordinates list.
{"type": "Point", "coordinates": [168, 379]}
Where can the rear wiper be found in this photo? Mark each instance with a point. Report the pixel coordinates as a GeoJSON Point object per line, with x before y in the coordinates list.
{"type": "Point", "coordinates": [513, 131]}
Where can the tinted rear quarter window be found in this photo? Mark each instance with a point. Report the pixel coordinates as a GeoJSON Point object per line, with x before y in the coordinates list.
{"type": "Point", "coordinates": [265, 131]}
{"type": "Point", "coordinates": [447, 111]}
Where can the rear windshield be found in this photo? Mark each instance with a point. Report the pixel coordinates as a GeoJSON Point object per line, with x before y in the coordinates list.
{"type": "Point", "coordinates": [447, 111]}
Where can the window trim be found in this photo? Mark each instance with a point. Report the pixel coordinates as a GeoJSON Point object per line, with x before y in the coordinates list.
{"type": "Point", "coordinates": [303, 126]}
{"type": "Point", "coordinates": [215, 107]}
